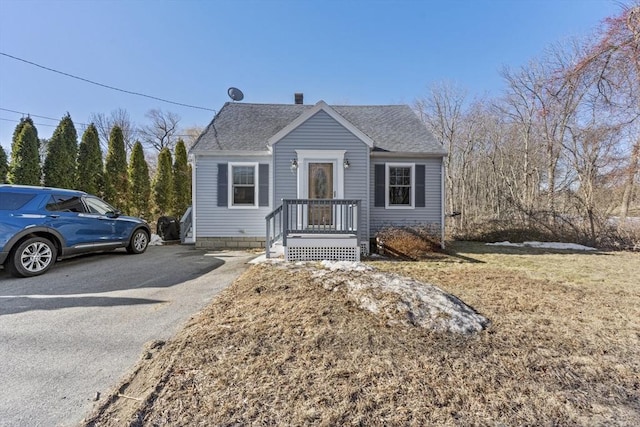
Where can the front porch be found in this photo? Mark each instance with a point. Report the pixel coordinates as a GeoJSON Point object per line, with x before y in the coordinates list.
{"type": "Point", "coordinates": [315, 229]}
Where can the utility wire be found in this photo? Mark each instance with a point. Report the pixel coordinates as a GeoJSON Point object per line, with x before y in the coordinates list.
{"type": "Point", "coordinates": [40, 117]}
{"type": "Point", "coordinates": [102, 144]}
{"type": "Point", "coordinates": [104, 85]}
{"type": "Point", "coordinates": [31, 115]}
{"type": "Point", "coordinates": [36, 124]}
{"type": "Point", "coordinates": [51, 118]}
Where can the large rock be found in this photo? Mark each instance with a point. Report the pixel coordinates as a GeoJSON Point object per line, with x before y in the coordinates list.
{"type": "Point", "coordinates": [400, 299]}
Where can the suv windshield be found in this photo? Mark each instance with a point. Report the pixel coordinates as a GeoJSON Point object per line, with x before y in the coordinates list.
{"type": "Point", "coordinates": [14, 201]}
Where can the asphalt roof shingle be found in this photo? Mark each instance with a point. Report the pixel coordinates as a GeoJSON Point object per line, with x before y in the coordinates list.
{"type": "Point", "coordinates": [247, 127]}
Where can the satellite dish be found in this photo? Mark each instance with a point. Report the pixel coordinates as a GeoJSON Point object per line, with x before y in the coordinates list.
{"type": "Point", "coordinates": [235, 94]}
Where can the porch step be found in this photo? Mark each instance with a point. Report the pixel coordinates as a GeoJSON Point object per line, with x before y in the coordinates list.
{"type": "Point", "coordinates": [322, 241]}
{"type": "Point", "coordinates": [321, 236]}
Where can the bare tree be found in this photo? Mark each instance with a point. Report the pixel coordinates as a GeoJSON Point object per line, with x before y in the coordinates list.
{"type": "Point", "coordinates": [519, 113]}
{"type": "Point", "coordinates": [630, 179]}
{"type": "Point", "coordinates": [162, 130]}
{"type": "Point", "coordinates": [560, 151]}
{"type": "Point", "coordinates": [613, 58]}
{"type": "Point", "coordinates": [591, 153]}
{"type": "Point", "coordinates": [119, 117]}
{"type": "Point", "coordinates": [190, 135]}
{"type": "Point", "coordinates": [442, 112]}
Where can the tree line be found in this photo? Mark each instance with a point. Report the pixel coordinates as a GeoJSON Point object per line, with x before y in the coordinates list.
{"type": "Point", "coordinates": [129, 185]}
{"type": "Point", "coordinates": [557, 154]}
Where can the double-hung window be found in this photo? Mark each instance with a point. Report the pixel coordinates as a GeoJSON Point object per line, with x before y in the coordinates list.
{"type": "Point", "coordinates": [400, 185]}
{"type": "Point", "coordinates": [243, 184]}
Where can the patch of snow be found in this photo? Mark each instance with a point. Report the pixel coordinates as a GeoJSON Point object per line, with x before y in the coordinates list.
{"type": "Point", "coordinates": [505, 243]}
{"type": "Point", "coordinates": [545, 245]}
{"type": "Point", "coordinates": [345, 266]}
{"type": "Point", "coordinates": [398, 299]}
{"type": "Point", "coordinates": [155, 240]}
{"type": "Point", "coordinates": [631, 220]}
{"type": "Point", "coordinates": [260, 259]}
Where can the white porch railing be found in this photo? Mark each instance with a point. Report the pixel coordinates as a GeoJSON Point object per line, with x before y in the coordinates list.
{"type": "Point", "coordinates": [186, 223]}
{"type": "Point", "coordinates": [313, 217]}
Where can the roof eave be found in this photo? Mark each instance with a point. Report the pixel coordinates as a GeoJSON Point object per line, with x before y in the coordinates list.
{"type": "Point", "coordinates": [391, 154]}
{"type": "Point", "coordinates": [226, 153]}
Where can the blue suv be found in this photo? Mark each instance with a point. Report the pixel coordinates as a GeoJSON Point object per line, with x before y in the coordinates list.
{"type": "Point", "coordinates": [40, 225]}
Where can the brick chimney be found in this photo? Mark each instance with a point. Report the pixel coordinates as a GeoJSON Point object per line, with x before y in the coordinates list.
{"type": "Point", "coordinates": [298, 98]}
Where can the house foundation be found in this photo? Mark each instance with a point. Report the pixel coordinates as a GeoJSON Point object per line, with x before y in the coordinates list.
{"type": "Point", "coordinates": [230, 242]}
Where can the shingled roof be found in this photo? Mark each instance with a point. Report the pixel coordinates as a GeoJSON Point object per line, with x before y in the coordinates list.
{"type": "Point", "coordinates": [247, 127]}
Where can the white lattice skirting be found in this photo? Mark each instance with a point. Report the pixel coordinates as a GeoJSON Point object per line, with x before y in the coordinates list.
{"type": "Point", "coordinates": [318, 249]}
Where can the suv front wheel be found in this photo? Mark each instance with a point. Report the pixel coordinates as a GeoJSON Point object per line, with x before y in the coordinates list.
{"type": "Point", "coordinates": [32, 257]}
{"type": "Point", "coordinates": [139, 242]}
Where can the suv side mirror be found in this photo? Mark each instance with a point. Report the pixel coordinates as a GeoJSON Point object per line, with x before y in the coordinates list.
{"type": "Point", "coordinates": [115, 214]}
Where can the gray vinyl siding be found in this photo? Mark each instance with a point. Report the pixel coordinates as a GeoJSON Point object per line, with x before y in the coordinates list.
{"type": "Point", "coordinates": [213, 221]}
{"type": "Point", "coordinates": [322, 132]}
{"type": "Point", "coordinates": [431, 213]}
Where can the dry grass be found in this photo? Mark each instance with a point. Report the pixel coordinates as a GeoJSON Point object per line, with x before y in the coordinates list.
{"type": "Point", "coordinates": [277, 349]}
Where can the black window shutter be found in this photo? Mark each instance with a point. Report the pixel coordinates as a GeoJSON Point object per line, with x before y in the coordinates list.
{"type": "Point", "coordinates": [420, 186]}
{"type": "Point", "coordinates": [379, 181]}
{"type": "Point", "coordinates": [263, 190]}
{"type": "Point", "coordinates": [223, 184]}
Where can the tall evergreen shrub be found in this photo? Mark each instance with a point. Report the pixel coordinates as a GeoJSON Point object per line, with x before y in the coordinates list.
{"type": "Point", "coordinates": [163, 184]}
{"type": "Point", "coordinates": [61, 161]}
{"type": "Point", "coordinates": [90, 167]}
{"type": "Point", "coordinates": [4, 166]}
{"type": "Point", "coordinates": [139, 182]}
{"type": "Point", "coordinates": [116, 176]}
{"type": "Point", "coordinates": [25, 157]}
{"type": "Point", "coordinates": [181, 180]}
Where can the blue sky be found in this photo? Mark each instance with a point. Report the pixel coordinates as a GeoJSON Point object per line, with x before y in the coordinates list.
{"type": "Point", "coordinates": [343, 52]}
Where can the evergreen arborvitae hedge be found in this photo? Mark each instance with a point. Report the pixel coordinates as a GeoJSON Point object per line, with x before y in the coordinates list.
{"type": "Point", "coordinates": [4, 167]}
{"type": "Point", "coordinates": [163, 183]}
{"type": "Point", "coordinates": [90, 168]}
{"type": "Point", "coordinates": [62, 151]}
{"type": "Point", "coordinates": [116, 176]}
{"type": "Point", "coordinates": [139, 183]}
{"type": "Point", "coordinates": [181, 180]}
{"type": "Point", "coordinates": [25, 156]}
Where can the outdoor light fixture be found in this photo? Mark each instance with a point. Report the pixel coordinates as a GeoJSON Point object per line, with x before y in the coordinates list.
{"type": "Point", "coordinates": [346, 163]}
{"type": "Point", "coordinates": [294, 165]}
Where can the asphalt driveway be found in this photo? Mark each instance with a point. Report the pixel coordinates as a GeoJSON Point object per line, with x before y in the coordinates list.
{"type": "Point", "coordinates": [80, 327]}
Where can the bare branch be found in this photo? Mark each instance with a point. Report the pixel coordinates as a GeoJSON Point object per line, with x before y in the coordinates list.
{"type": "Point", "coordinates": [162, 130]}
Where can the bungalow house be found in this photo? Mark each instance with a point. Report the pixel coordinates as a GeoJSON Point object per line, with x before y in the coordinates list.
{"type": "Point", "coordinates": [320, 180]}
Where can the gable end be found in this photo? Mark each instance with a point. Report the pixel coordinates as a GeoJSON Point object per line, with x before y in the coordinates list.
{"type": "Point", "coordinates": [320, 106]}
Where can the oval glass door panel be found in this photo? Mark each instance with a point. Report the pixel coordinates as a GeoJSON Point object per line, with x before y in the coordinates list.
{"type": "Point", "coordinates": [320, 189]}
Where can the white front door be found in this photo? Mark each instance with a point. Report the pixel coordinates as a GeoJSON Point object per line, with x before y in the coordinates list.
{"type": "Point", "coordinates": [320, 176]}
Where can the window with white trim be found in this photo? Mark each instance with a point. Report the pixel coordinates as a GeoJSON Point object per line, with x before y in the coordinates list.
{"type": "Point", "coordinates": [243, 185]}
{"type": "Point", "coordinates": [400, 185]}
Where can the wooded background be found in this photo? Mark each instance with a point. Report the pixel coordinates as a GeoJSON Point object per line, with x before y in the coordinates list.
{"type": "Point", "coordinates": [557, 154]}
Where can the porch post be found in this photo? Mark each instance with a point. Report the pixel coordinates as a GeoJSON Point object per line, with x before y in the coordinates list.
{"type": "Point", "coordinates": [268, 241]}
{"type": "Point", "coordinates": [357, 221]}
{"type": "Point", "coordinates": [285, 222]}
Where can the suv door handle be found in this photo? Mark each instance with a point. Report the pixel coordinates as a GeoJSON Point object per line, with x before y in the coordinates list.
{"type": "Point", "coordinates": [54, 216]}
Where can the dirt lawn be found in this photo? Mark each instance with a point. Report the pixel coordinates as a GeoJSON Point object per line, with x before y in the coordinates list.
{"type": "Point", "coordinates": [277, 348]}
